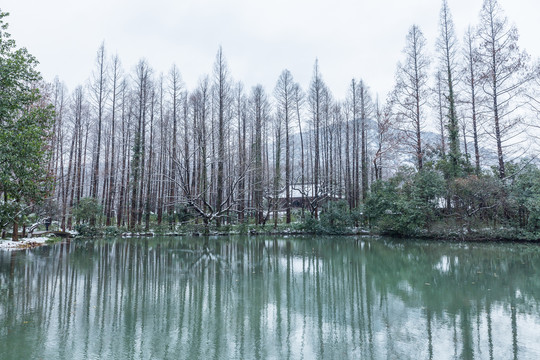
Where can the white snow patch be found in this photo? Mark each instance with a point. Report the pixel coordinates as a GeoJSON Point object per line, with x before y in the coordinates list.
{"type": "Point", "coordinates": [24, 243]}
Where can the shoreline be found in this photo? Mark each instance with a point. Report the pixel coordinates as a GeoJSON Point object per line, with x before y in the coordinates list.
{"type": "Point", "coordinates": [24, 243]}
{"type": "Point", "coordinates": [477, 237]}
{"type": "Point", "coordinates": [443, 237]}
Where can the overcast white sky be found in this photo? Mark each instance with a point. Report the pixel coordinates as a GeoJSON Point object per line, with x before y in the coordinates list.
{"type": "Point", "coordinates": [351, 38]}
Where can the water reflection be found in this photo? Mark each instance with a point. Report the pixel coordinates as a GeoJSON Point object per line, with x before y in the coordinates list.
{"type": "Point", "coordinates": [270, 298]}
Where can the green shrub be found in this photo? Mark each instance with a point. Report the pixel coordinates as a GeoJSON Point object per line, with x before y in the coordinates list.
{"type": "Point", "coordinates": [112, 231]}
{"type": "Point", "coordinates": [336, 218]}
{"type": "Point", "coordinates": [311, 225]}
{"type": "Point", "coordinates": [86, 210]}
{"type": "Point", "coordinates": [242, 228]}
{"type": "Point", "coordinates": [183, 213]}
{"type": "Point", "coordinates": [161, 228]}
{"type": "Point", "coordinates": [86, 230]}
{"type": "Point", "coordinates": [406, 204]}
{"type": "Point", "coordinates": [525, 195]}
{"type": "Point", "coordinates": [478, 200]}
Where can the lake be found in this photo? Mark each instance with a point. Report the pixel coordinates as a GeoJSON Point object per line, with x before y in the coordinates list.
{"type": "Point", "coordinates": [270, 298]}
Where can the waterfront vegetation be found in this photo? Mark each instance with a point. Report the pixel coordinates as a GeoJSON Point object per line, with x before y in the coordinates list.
{"type": "Point", "coordinates": [408, 204]}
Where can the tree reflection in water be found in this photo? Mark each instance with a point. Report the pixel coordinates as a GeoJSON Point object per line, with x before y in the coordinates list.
{"type": "Point", "coordinates": [270, 298]}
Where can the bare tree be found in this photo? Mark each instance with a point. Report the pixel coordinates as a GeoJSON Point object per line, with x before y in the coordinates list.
{"type": "Point", "coordinates": [142, 82]}
{"type": "Point", "coordinates": [222, 93]}
{"type": "Point", "coordinates": [285, 97]}
{"type": "Point", "coordinates": [504, 74]}
{"type": "Point", "coordinates": [385, 139]}
{"type": "Point", "coordinates": [125, 119]}
{"type": "Point", "coordinates": [57, 144]}
{"type": "Point", "coordinates": [149, 199]}
{"type": "Point", "coordinates": [351, 146]}
{"type": "Point", "coordinates": [315, 98]}
{"type": "Point", "coordinates": [241, 115]}
{"type": "Point", "coordinates": [260, 109]}
{"type": "Point", "coordinates": [162, 162]}
{"type": "Point", "coordinates": [298, 104]}
{"type": "Point", "coordinates": [410, 93]}
{"type": "Point", "coordinates": [99, 95]}
{"type": "Point", "coordinates": [175, 91]}
{"type": "Point", "coordinates": [202, 98]}
{"type": "Point", "coordinates": [366, 111]}
{"type": "Point", "coordinates": [534, 99]}
{"type": "Point", "coordinates": [116, 83]}
{"type": "Point", "coordinates": [472, 89]}
{"type": "Point", "coordinates": [278, 123]}
{"type": "Point", "coordinates": [198, 196]}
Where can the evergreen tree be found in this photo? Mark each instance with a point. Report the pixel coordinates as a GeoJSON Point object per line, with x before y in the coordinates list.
{"type": "Point", "coordinates": [447, 46]}
{"type": "Point", "coordinates": [25, 122]}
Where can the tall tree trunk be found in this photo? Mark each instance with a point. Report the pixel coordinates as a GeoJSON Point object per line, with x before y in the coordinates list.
{"type": "Point", "coordinates": [149, 171]}
{"type": "Point", "coordinates": [363, 115]}
{"type": "Point", "coordinates": [100, 102]}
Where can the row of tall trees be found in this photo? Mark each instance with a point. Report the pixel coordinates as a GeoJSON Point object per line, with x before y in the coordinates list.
{"type": "Point", "coordinates": [145, 148]}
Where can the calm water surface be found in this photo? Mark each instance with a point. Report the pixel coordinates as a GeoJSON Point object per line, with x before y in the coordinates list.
{"type": "Point", "coordinates": [270, 298]}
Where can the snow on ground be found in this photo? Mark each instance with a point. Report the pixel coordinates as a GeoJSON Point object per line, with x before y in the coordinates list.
{"type": "Point", "coordinates": [23, 243]}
